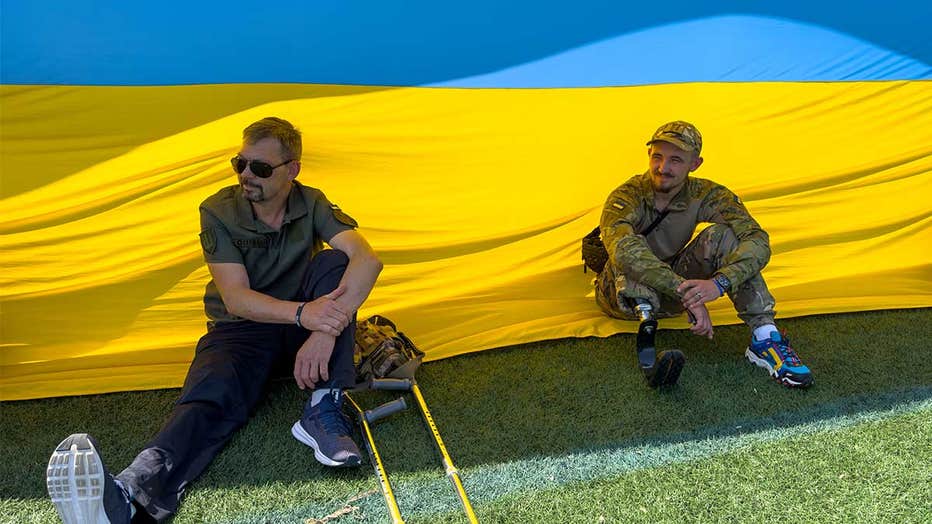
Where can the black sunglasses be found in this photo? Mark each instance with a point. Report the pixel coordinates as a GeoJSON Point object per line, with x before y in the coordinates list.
{"type": "Point", "coordinates": [258, 168]}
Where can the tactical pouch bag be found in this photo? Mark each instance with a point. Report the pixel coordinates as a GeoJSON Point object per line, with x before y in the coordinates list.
{"type": "Point", "coordinates": [594, 254]}
{"type": "Point", "coordinates": [381, 351]}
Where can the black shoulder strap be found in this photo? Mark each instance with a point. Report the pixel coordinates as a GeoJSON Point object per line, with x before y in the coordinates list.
{"type": "Point", "coordinates": [656, 222]}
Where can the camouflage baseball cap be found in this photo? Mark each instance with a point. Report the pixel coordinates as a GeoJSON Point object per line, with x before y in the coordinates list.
{"type": "Point", "coordinates": [681, 134]}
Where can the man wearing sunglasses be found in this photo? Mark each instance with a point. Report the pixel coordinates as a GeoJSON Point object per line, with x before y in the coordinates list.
{"type": "Point", "coordinates": [276, 301]}
{"type": "Point", "coordinates": [657, 267]}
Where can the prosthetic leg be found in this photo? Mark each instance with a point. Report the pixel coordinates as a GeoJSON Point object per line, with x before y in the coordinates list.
{"type": "Point", "coordinates": [661, 369]}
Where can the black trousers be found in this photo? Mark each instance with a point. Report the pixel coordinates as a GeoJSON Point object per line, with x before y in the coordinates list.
{"type": "Point", "coordinates": [227, 379]}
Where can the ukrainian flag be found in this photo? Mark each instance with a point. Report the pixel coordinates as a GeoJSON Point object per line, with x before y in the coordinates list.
{"type": "Point", "coordinates": [474, 142]}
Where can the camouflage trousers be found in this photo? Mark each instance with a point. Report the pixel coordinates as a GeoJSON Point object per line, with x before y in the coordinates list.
{"type": "Point", "coordinates": [698, 260]}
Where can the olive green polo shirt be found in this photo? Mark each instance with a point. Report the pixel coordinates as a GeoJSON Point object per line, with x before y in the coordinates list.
{"type": "Point", "coordinates": [275, 261]}
{"type": "Point", "coordinates": [629, 210]}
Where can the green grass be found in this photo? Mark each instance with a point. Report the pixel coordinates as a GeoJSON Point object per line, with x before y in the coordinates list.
{"type": "Point", "coordinates": [877, 471]}
{"type": "Point", "coordinates": [566, 431]}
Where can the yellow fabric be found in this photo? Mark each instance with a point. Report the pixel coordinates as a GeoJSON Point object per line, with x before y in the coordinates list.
{"type": "Point", "coordinates": [476, 200]}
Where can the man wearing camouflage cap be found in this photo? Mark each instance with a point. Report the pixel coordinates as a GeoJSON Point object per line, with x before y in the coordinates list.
{"type": "Point", "coordinates": [655, 271]}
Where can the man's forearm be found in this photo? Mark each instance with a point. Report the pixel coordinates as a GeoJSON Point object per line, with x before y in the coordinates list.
{"type": "Point", "coordinates": [358, 281]}
{"type": "Point", "coordinates": [259, 307]}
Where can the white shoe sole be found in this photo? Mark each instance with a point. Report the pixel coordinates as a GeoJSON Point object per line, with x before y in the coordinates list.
{"type": "Point", "coordinates": [75, 481]}
{"type": "Point", "coordinates": [299, 433]}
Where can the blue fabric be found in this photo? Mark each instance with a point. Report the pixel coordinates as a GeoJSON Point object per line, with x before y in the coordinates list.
{"type": "Point", "coordinates": [600, 42]}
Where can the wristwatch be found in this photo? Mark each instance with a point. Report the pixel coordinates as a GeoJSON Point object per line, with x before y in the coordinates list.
{"type": "Point", "coordinates": [722, 282]}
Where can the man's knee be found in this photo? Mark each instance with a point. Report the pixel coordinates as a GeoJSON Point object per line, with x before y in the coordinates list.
{"type": "Point", "coordinates": [329, 259]}
{"type": "Point", "coordinates": [703, 256]}
{"type": "Point", "coordinates": [324, 273]}
{"type": "Point", "coordinates": [719, 238]}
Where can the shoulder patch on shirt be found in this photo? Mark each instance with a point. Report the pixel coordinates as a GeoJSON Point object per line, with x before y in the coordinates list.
{"type": "Point", "coordinates": [340, 215]}
{"type": "Point", "coordinates": [209, 241]}
{"type": "Point", "coordinates": [617, 205]}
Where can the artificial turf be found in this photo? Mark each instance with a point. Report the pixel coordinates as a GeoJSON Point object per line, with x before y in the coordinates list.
{"type": "Point", "coordinates": [566, 431]}
{"type": "Point", "coordinates": [876, 470]}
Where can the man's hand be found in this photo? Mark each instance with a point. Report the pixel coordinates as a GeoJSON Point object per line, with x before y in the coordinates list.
{"type": "Point", "coordinates": [325, 314]}
{"type": "Point", "coordinates": [703, 323]}
{"type": "Point", "coordinates": [697, 292]}
{"type": "Point", "coordinates": [312, 362]}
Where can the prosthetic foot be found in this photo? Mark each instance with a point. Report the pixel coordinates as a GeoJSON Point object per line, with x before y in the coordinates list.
{"type": "Point", "coordinates": [661, 369]}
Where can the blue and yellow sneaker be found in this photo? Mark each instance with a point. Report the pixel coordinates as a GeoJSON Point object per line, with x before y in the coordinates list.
{"type": "Point", "coordinates": [778, 358]}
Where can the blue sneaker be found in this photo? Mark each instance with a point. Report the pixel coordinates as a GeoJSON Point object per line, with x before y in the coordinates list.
{"type": "Point", "coordinates": [327, 430]}
{"type": "Point", "coordinates": [81, 488]}
{"type": "Point", "coordinates": [779, 359]}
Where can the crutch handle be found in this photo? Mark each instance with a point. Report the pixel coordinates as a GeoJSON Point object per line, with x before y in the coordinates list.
{"type": "Point", "coordinates": [391, 384]}
{"type": "Point", "coordinates": [373, 415]}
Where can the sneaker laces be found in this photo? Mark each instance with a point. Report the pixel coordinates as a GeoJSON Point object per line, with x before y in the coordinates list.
{"type": "Point", "coordinates": [787, 354]}
{"type": "Point", "coordinates": [328, 411]}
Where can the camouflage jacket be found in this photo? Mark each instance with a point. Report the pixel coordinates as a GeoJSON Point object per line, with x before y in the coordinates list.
{"type": "Point", "coordinates": [630, 209]}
